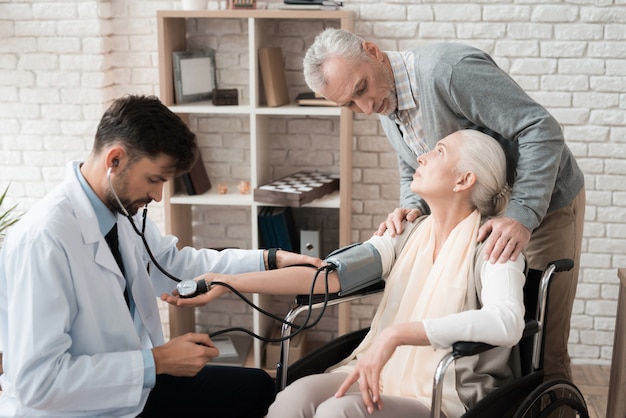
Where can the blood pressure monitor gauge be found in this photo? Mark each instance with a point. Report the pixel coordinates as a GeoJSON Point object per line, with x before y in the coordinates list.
{"type": "Point", "coordinates": [191, 288]}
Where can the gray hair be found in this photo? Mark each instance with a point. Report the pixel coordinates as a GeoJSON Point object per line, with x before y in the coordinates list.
{"type": "Point", "coordinates": [483, 155]}
{"type": "Point", "coordinates": [330, 43]}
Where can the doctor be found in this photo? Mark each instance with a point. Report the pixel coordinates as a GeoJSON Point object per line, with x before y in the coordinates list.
{"type": "Point", "coordinates": [81, 332]}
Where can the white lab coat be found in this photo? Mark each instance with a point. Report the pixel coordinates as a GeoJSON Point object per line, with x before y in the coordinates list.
{"type": "Point", "coordinates": [70, 345]}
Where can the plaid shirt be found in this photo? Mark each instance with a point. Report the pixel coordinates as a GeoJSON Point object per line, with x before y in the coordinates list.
{"type": "Point", "coordinates": [408, 116]}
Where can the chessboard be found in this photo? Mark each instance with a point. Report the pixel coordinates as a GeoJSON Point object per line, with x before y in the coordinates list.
{"type": "Point", "coordinates": [297, 189]}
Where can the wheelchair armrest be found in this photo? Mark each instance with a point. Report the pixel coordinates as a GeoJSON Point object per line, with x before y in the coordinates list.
{"type": "Point", "coordinates": [470, 348]}
{"type": "Point", "coordinates": [370, 290]}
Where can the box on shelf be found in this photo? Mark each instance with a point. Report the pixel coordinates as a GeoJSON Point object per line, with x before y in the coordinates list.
{"type": "Point", "coordinates": [297, 189]}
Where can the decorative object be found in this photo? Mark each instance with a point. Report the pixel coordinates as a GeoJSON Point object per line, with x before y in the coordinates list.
{"type": "Point", "coordinates": [225, 97]}
{"type": "Point", "coordinates": [222, 188]}
{"type": "Point", "coordinates": [195, 4]}
{"type": "Point", "coordinates": [194, 75]}
{"type": "Point", "coordinates": [242, 4]}
{"type": "Point", "coordinates": [297, 189]}
{"type": "Point", "coordinates": [244, 187]}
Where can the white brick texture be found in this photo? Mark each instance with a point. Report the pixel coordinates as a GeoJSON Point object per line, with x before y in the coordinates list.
{"type": "Point", "coordinates": [61, 63]}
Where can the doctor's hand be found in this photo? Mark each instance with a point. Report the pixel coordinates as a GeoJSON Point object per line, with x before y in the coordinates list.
{"type": "Point", "coordinates": [215, 291]}
{"type": "Point", "coordinates": [185, 355]}
{"type": "Point", "coordinates": [506, 239]}
{"type": "Point", "coordinates": [393, 223]}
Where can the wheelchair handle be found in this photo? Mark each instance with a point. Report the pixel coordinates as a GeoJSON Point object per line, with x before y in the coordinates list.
{"type": "Point", "coordinates": [565, 264]}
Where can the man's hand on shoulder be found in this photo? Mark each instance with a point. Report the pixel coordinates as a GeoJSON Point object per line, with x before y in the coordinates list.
{"type": "Point", "coordinates": [506, 238]}
{"type": "Point", "coordinates": [393, 223]}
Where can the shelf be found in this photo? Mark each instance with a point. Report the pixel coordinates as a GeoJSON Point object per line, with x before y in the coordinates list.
{"type": "Point", "coordinates": [211, 197]}
{"type": "Point", "coordinates": [206, 107]}
{"type": "Point", "coordinates": [260, 135]}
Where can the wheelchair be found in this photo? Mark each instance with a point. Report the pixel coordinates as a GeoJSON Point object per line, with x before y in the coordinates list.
{"type": "Point", "coordinates": [525, 397]}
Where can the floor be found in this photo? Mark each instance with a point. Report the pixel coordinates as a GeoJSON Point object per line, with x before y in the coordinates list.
{"type": "Point", "coordinates": [593, 382]}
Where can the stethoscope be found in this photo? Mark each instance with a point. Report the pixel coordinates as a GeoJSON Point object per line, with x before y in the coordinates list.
{"type": "Point", "coordinates": [189, 288]}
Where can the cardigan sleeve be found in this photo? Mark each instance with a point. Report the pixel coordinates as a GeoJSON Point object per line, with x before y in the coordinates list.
{"type": "Point", "coordinates": [500, 320]}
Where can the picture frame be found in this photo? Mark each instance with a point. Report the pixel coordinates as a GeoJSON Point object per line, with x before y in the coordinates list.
{"type": "Point", "coordinates": [194, 75]}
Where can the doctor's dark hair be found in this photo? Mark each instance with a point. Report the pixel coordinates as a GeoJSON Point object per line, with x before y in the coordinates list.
{"type": "Point", "coordinates": [147, 128]}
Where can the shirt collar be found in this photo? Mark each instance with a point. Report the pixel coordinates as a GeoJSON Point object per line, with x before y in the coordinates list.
{"type": "Point", "coordinates": [402, 81]}
{"type": "Point", "coordinates": [106, 218]}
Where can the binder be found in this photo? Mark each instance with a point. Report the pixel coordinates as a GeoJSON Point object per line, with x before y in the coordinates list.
{"type": "Point", "coordinates": [273, 75]}
{"type": "Point", "coordinates": [285, 229]}
{"type": "Point", "coordinates": [197, 181]}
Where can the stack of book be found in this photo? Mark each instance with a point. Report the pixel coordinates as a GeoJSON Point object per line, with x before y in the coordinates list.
{"type": "Point", "coordinates": [311, 4]}
{"type": "Point", "coordinates": [310, 98]}
{"type": "Point", "coordinates": [278, 229]}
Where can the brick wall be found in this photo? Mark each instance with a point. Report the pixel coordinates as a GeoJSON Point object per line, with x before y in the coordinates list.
{"type": "Point", "coordinates": [61, 62]}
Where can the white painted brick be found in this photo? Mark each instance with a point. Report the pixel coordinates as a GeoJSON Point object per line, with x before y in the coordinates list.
{"type": "Point", "coordinates": [57, 10]}
{"type": "Point", "coordinates": [419, 13]}
{"type": "Point", "coordinates": [602, 308]}
{"type": "Point", "coordinates": [16, 11]}
{"type": "Point", "coordinates": [506, 13]}
{"type": "Point", "coordinates": [574, 31]}
{"type": "Point", "coordinates": [529, 30]}
{"type": "Point", "coordinates": [481, 30]}
{"type": "Point", "coordinates": [533, 66]}
{"type": "Point", "coordinates": [383, 12]}
{"type": "Point", "coordinates": [616, 68]}
{"type": "Point", "coordinates": [571, 116]}
{"type": "Point", "coordinates": [35, 28]}
{"type": "Point", "coordinates": [554, 13]}
{"type": "Point", "coordinates": [389, 29]}
{"type": "Point", "coordinates": [565, 82]}
{"type": "Point", "coordinates": [581, 322]}
{"type": "Point", "coordinates": [607, 49]}
{"type": "Point", "coordinates": [517, 48]}
{"type": "Point", "coordinates": [570, 49]}
{"type": "Point", "coordinates": [610, 291]}
{"type": "Point", "coordinates": [604, 324]}
{"type": "Point", "coordinates": [583, 351]}
{"type": "Point", "coordinates": [437, 30]}
{"type": "Point", "coordinates": [596, 101]}
{"type": "Point", "coordinates": [615, 32]}
{"type": "Point", "coordinates": [608, 84]}
{"type": "Point", "coordinates": [603, 14]}
{"type": "Point", "coordinates": [454, 13]}
{"type": "Point", "coordinates": [618, 134]}
{"type": "Point", "coordinates": [81, 62]}
{"type": "Point", "coordinates": [608, 117]}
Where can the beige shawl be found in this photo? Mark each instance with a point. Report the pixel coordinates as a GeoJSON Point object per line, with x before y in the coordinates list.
{"type": "Point", "coordinates": [418, 288]}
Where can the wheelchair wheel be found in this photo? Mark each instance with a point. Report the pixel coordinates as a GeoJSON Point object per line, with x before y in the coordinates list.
{"type": "Point", "coordinates": [554, 399]}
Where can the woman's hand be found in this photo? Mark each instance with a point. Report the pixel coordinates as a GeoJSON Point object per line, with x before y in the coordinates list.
{"type": "Point", "coordinates": [215, 291]}
{"type": "Point", "coordinates": [368, 369]}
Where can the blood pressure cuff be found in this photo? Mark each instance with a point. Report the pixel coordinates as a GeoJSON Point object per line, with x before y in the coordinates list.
{"type": "Point", "coordinates": [357, 265]}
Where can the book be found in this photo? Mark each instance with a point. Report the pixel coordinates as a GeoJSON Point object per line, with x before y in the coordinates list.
{"type": "Point", "coordinates": [273, 76]}
{"type": "Point", "coordinates": [196, 181]}
{"type": "Point", "coordinates": [310, 98]}
{"type": "Point", "coordinates": [285, 229]}
{"type": "Point", "coordinates": [266, 229]}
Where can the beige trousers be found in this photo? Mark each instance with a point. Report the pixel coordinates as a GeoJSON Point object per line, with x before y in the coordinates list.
{"type": "Point", "coordinates": [559, 236]}
{"type": "Point", "coordinates": [314, 396]}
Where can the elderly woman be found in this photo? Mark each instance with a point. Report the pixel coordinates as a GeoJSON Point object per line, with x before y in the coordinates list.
{"type": "Point", "coordinates": [439, 289]}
